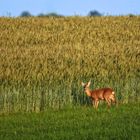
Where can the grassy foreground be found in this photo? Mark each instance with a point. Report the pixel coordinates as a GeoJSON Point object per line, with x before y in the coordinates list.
{"type": "Point", "coordinates": [121, 123]}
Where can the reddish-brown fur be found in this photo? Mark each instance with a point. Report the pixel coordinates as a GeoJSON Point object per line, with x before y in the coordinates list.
{"type": "Point", "coordinates": [106, 94]}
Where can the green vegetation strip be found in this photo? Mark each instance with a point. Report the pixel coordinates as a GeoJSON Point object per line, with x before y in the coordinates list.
{"type": "Point", "coordinates": [70, 124]}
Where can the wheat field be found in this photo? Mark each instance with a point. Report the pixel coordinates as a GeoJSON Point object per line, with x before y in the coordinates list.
{"type": "Point", "coordinates": [44, 60]}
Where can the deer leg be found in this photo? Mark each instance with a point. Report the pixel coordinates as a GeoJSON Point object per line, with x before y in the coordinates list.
{"type": "Point", "coordinates": [108, 102]}
{"type": "Point", "coordinates": [113, 100]}
{"type": "Point", "coordinates": [96, 104]}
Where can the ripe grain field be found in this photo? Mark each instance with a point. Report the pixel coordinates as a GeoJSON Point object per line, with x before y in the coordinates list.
{"type": "Point", "coordinates": [44, 60]}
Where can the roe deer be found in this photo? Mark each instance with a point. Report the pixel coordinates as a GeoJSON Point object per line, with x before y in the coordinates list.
{"type": "Point", "coordinates": [106, 94]}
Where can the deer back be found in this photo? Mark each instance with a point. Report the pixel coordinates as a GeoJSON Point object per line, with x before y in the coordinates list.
{"type": "Point", "coordinates": [101, 94]}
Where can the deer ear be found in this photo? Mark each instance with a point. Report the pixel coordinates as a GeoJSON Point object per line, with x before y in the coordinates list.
{"type": "Point", "coordinates": [89, 83]}
{"type": "Point", "coordinates": [83, 84]}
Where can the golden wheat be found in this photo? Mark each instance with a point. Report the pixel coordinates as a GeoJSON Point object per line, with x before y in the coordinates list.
{"type": "Point", "coordinates": [44, 60]}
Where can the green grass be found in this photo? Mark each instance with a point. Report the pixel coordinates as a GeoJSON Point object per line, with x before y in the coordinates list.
{"type": "Point", "coordinates": [83, 123]}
